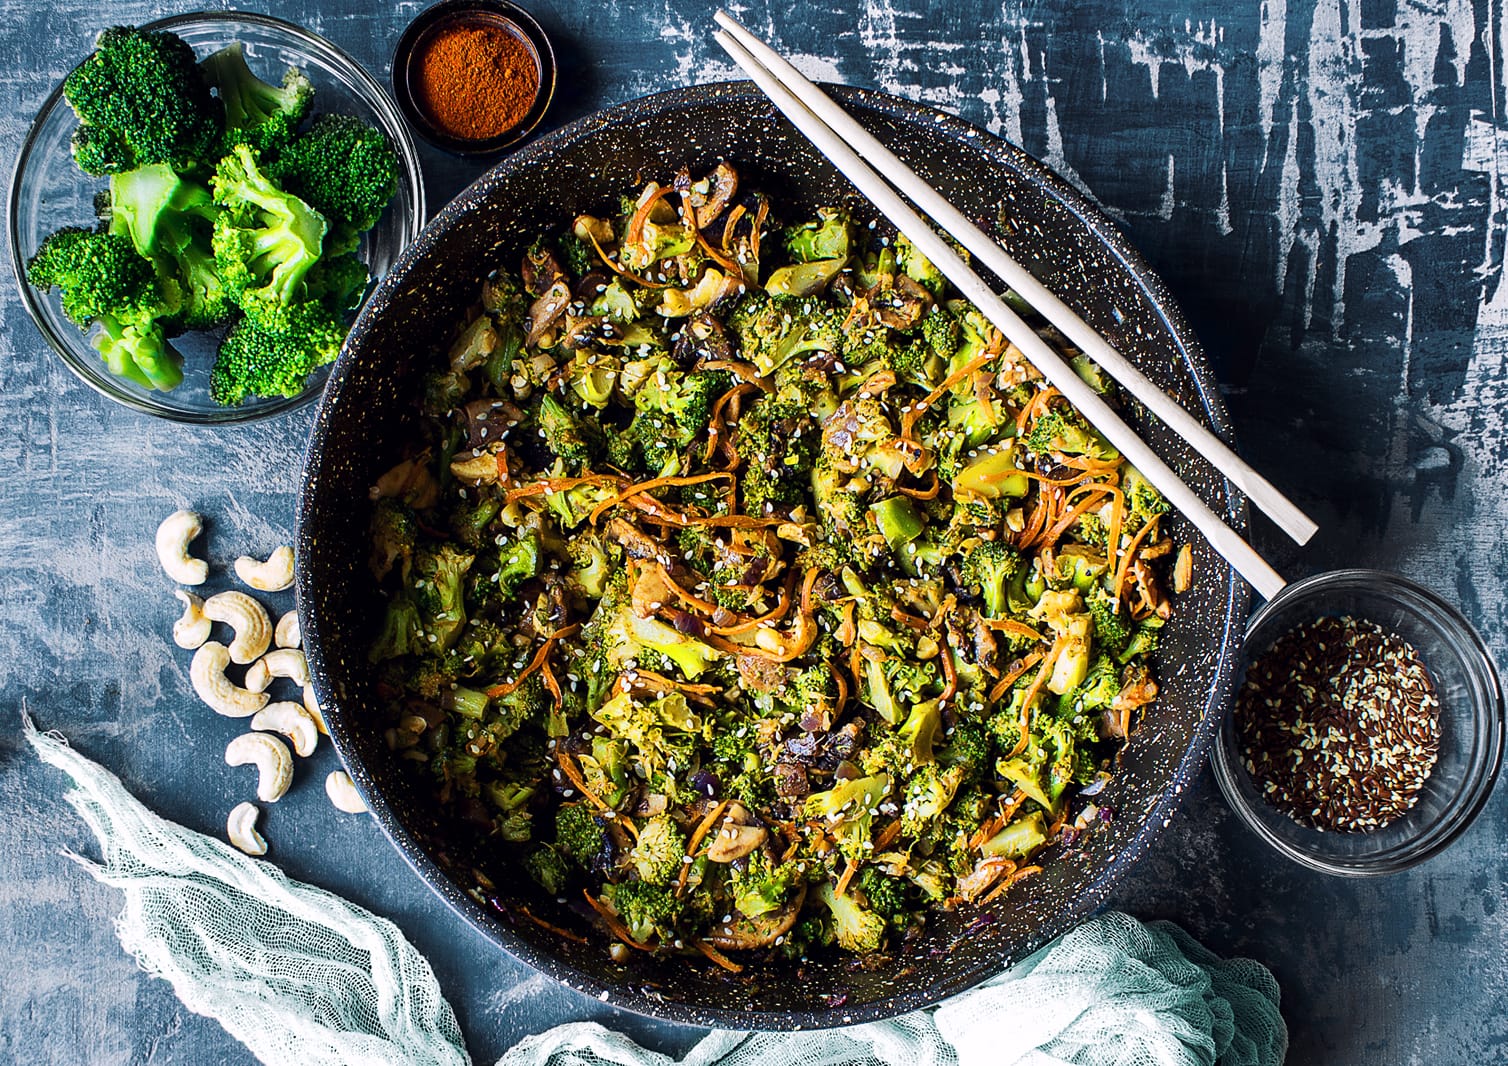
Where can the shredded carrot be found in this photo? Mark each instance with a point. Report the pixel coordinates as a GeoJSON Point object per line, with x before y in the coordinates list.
{"type": "Point", "coordinates": [614, 926]}
{"type": "Point", "coordinates": [649, 486]}
{"type": "Point", "coordinates": [848, 872]}
{"type": "Point", "coordinates": [718, 957]}
{"type": "Point", "coordinates": [842, 700]}
{"type": "Point", "coordinates": [950, 673]}
{"type": "Point", "coordinates": [573, 775]}
{"type": "Point", "coordinates": [1091, 497]}
{"type": "Point", "coordinates": [1125, 563]}
{"type": "Point", "coordinates": [1033, 408]}
{"type": "Point", "coordinates": [999, 821]}
{"type": "Point", "coordinates": [734, 215]}
{"type": "Point", "coordinates": [929, 493]}
{"type": "Point", "coordinates": [1010, 625]}
{"type": "Point", "coordinates": [909, 620]}
{"type": "Point", "coordinates": [509, 687]}
{"type": "Point", "coordinates": [702, 829]}
{"type": "Point", "coordinates": [1004, 684]}
{"type": "Point", "coordinates": [620, 270]}
{"type": "Point", "coordinates": [920, 408]}
{"type": "Point", "coordinates": [551, 685]}
{"type": "Point", "coordinates": [1031, 695]}
{"type": "Point", "coordinates": [634, 231]}
{"type": "Point", "coordinates": [887, 835]}
{"type": "Point", "coordinates": [1036, 522]}
{"type": "Point", "coordinates": [557, 930]}
{"type": "Point", "coordinates": [688, 216]}
{"type": "Point", "coordinates": [775, 614]}
{"type": "Point", "coordinates": [1011, 879]}
{"type": "Point", "coordinates": [559, 484]}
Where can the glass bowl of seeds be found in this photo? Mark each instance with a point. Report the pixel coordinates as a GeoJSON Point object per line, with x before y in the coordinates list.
{"type": "Point", "coordinates": [1368, 725]}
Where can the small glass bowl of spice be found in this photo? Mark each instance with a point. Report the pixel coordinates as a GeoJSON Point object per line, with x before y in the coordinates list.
{"type": "Point", "coordinates": [1368, 727]}
{"type": "Point", "coordinates": [474, 76]}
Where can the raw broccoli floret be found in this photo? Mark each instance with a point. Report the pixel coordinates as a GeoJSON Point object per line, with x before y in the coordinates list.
{"type": "Point", "coordinates": [578, 834]}
{"type": "Point", "coordinates": [1065, 431]}
{"type": "Point", "coordinates": [273, 350]}
{"type": "Point", "coordinates": [96, 274]}
{"type": "Point", "coordinates": [343, 168]}
{"type": "Point", "coordinates": [661, 847]}
{"type": "Point", "coordinates": [256, 113]}
{"type": "Point", "coordinates": [102, 278]}
{"type": "Point", "coordinates": [338, 281]}
{"type": "Point", "coordinates": [142, 98]}
{"type": "Point", "coordinates": [265, 239]}
{"type": "Point", "coordinates": [858, 928]}
{"type": "Point", "coordinates": [648, 911]}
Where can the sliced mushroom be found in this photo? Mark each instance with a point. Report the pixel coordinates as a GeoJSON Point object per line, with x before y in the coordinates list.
{"type": "Point", "coordinates": [745, 934]}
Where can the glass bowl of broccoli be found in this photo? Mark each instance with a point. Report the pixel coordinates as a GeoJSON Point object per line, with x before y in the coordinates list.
{"type": "Point", "coordinates": [201, 207]}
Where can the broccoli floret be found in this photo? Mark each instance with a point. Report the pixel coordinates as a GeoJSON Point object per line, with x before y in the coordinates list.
{"type": "Point", "coordinates": [97, 274]}
{"type": "Point", "coordinates": [273, 350]}
{"type": "Point", "coordinates": [886, 895]}
{"type": "Point", "coordinates": [548, 869]}
{"type": "Point", "coordinates": [897, 683]}
{"type": "Point", "coordinates": [762, 886]}
{"type": "Point", "coordinates": [779, 443]}
{"type": "Point", "coordinates": [1112, 626]}
{"type": "Point", "coordinates": [570, 438]}
{"type": "Point", "coordinates": [648, 911]}
{"type": "Point", "coordinates": [618, 635]}
{"type": "Point", "coordinates": [1063, 430]}
{"type": "Point", "coordinates": [928, 792]}
{"type": "Point", "coordinates": [772, 329]}
{"type": "Point", "coordinates": [918, 267]}
{"type": "Point", "coordinates": [256, 113]}
{"type": "Point", "coordinates": [988, 568]}
{"type": "Point", "coordinates": [1142, 500]}
{"type": "Point", "coordinates": [265, 240]}
{"type": "Point", "coordinates": [847, 810]}
{"type": "Point", "coordinates": [825, 237]}
{"type": "Point", "coordinates": [578, 834]}
{"type": "Point", "coordinates": [437, 590]}
{"type": "Point", "coordinates": [394, 531]}
{"type": "Point", "coordinates": [661, 847]}
{"type": "Point", "coordinates": [338, 282]}
{"type": "Point", "coordinates": [858, 928]}
{"type": "Point", "coordinates": [941, 332]}
{"type": "Point", "coordinates": [606, 769]}
{"type": "Point", "coordinates": [967, 746]}
{"type": "Point", "coordinates": [591, 564]}
{"type": "Point", "coordinates": [401, 633]}
{"type": "Point", "coordinates": [343, 168]}
{"type": "Point", "coordinates": [663, 734]}
{"type": "Point", "coordinates": [519, 559]}
{"type": "Point", "coordinates": [1099, 686]}
{"type": "Point", "coordinates": [102, 278]}
{"type": "Point", "coordinates": [142, 98]}
{"type": "Point", "coordinates": [1143, 641]}
{"type": "Point", "coordinates": [902, 750]}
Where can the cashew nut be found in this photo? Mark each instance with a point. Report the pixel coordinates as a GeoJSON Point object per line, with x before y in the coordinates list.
{"type": "Point", "coordinates": [247, 617]}
{"type": "Point", "coordinates": [224, 696]}
{"type": "Point", "coordinates": [342, 792]}
{"type": "Point", "coordinates": [241, 829]}
{"type": "Point", "coordinates": [291, 720]}
{"type": "Point", "coordinates": [287, 633]}
{"type": "Point", "coordinates": [279, 662]}
{"type": "Point", "coordinates": [311, 704]}
{"type": "Point", "coordinates": [174, 535]}
{"type": "Point", "coordinates": [192, 629]}
{"type": "Point", "coordinates": [274, 575]}
{"type": "Point", "coordinates": [270, 756]}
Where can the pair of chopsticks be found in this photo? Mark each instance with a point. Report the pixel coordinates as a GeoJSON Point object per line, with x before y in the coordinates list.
{"type": "Point", "coordinates": [847, 145]}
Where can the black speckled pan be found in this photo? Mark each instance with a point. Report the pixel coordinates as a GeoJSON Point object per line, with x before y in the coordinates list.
{"type": "Point", "coordinates": [1044, 223]}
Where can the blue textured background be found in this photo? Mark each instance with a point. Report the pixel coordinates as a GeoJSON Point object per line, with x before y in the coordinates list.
{"type": "Point", "coordinates": [1318, 180]}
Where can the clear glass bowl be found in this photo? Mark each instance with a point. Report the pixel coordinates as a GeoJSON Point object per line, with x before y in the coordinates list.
{"type": "Point", "coordinates": [1471, 724]}
{"type": "Point", "coordinates": [48, 191]}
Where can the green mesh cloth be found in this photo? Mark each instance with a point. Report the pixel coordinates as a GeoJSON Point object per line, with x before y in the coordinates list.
{"type": "Point", "coordinates": [305, 978]}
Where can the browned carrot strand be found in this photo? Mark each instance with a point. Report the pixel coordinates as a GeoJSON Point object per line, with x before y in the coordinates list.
{"type": "Point", "coordinates": [614, 925]}
{"type": "Point", "coordinates": [564, 934]}
{"type": "Point", "coordinates": [702, 828]}
{"type": "Point", "coordinates": [718, 957]}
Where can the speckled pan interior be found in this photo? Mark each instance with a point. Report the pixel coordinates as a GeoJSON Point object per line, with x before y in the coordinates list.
{"type": "Point", "coordinates": [363, 416]}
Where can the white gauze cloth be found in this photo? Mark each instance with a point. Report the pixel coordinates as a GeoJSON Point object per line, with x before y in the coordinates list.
{"type": "Point", "coordinates": [298, 975]}
{"type": "Point", "coordinates": [303, 977]}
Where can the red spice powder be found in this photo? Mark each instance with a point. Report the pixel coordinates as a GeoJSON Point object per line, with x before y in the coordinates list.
{"type": "Point", "coordinates": [475, 80]}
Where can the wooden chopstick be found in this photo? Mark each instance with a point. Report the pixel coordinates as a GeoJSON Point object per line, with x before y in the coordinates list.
{"type": "Point", "coordinates": [1226, 541]}
{"type": "Point", "coordinates": [1258, 489]}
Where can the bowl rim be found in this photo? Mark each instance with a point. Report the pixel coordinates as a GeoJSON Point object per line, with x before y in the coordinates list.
{"type": "Point", "coordinates": [405, 50]}
{"type": "Point", "coordinates": [410, 170]}
{"type": "Point", "coordinates": [1475, 656]}
{"type": "Point", "coordinates": [1234, 603]}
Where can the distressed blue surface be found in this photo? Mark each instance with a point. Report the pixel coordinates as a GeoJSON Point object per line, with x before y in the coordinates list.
{"type": "Point", "coordinates": [1320, 183]}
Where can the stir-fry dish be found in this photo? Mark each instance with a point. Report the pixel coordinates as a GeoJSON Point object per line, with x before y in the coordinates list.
{"type": "Point", "coordinates": [747, 588]}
